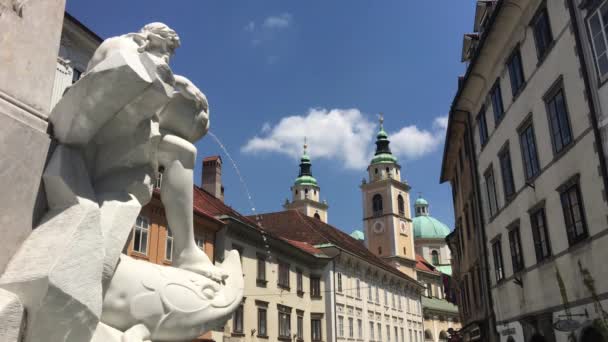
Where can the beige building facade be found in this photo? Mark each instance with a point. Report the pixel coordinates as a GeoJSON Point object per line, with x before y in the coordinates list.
{"type": "Point", "coordinates": [539, 169]}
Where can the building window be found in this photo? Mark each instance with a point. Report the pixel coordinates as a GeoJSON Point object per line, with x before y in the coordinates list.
{"type": "Point", "coordinates": [435, 257]}
{"type": "Point", "coordinates": [340, 326]}
{"type": "Point", "coordinates": [482, 126]}
{"type": "Point", "coordinates": [200, 242]}
{"type": "Point", "coordinates": [317, 216]}
{"type": "Point", "coordinates": [401, 205]}
{"type": "Point", "coordinates": [574, 216]}
{"type": "Point", "coordinates": [597, 28]}
{"type": "Point", "coordinates": [358, 288]}
{"type": "Point", "coordinates": [429, 290]}
{"type": "Point", "coordinates": [379, 326]}
{"type": "Point", "coordinates": [561, 135]}
{"type": "Point", "coordinates": [507, 173]}
{"type": "Point", "coordinates": [497, 106]}
{"type": "Point", "coordinates": [379, 250]}
{"type": "Point", "coordinates": [76, 74]}
{"type": "Point", "coordinates": [388, 333]}
{"type": "Point", "coordinates": [377, 295]}
{"type": "Point", "coordinates": [283, 275]}
{"type": "Point", "coordinates": [385, 297]}
{"type": "Point", "coordinates": [284, 322]}
{"type": "Point", "coordinates": [300, 327]}
{"type": "Point", "coordinates": [491, 191]}
{"type": "Point", "coordinates": [359, 329]}
{"type": "Point", "coordinates": [351, 328]}
{"type": "Point", "coordinates": [516, 72]}
{"type": "Point", "coordinates": [262, 322]}
{"type": "Point", "coordinates": [169, 245]}
{"type": "Point", "coordinates": [542, 245]}
{"type": "Point", "coordinates": [339, 282]}
{"type": "Point", "coordinates": [377, 204]}
{"type": "Point", "coordinates": [237, 320]}
{"type": "Point", "coordinates": [159, 177]}
{"type": "Point", "coordinates": [498, 264]}
{"type": "Point", "coordinates": [371, 331]}
{"type": "Point", "coordinates": [261, 274]}
{"type": "Point", "coordinates": [140, 235]}
{"type": "Point", "coordinates": [299, 282]}
{"type": "Point", "coordinates": [528, 151]}
{"type": "Point", "coordinates": [402, 335]}
{"type": "Point", "coordinates": [315, 326]}
{"type": "Point", "coordinates": [315, 287]}
{"type": "Point", "coordinates": [411, 339]}
{"type": "Point", "coordinates": [370, 292]}
{"type": "Point", "coordinates": [542, 33]}
{"type": "Point", "coordinates": [393, 300]}
{"type": "Point", "coordinates": [517, 257]}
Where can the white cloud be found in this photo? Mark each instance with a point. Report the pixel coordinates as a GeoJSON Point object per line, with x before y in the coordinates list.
{"type": "Point", "coordinates": [441, 122]}
{"type": "Point", "coordinates": [280, 21]}
{"type": "Point", "coordinates": [344, 135]}
{"type": "Point", "coordinates": [250, 27]}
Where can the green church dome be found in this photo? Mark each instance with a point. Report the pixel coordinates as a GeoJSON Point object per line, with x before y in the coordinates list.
{"type": "Point", "coordinates": [306, 180]}
{"type": "Point", "coordinates": [426, 226]}
{"type": "Point", "coordinates": [421, 201]}
{"type": "Point", "coordinates": [358, 235]}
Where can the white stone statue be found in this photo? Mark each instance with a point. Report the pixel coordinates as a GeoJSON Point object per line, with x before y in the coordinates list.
{"type": "Point", "coordinates": [126, 117]}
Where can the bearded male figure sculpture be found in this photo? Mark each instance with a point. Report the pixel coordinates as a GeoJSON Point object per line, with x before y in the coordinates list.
{"type": "Point", "coordinates": [126, 117]}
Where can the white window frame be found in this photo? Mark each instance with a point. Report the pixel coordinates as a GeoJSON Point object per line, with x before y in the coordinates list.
{"type": "Point", "coordinates": [169, 245]}
{"type": "Point", "coordinates": [597, 12]}
{"type": "Point", "coordinates": [340, 326]}
{"type": "Point", "coordinates": [142, 224]}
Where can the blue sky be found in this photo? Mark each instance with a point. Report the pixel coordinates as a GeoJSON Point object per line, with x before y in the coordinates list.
{"type": "Point", "coordinates": [276, 71]}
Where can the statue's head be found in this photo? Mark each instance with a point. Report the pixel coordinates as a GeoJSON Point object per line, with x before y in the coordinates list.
{"type": "Point", "coordinates": [159, 39]}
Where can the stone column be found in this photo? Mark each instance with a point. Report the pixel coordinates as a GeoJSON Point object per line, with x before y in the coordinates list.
{"type": "Point", "coordinates": [30, 35]}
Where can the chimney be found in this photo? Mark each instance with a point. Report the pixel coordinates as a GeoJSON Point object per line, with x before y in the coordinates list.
{"type": "Point", "coordinates": [212, 176]}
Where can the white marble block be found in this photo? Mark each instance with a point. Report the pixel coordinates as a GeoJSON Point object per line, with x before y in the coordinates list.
{"type": "Point", "coordinates": [62, 294]}
{"type": "Point", "coordinates": [11, 311]}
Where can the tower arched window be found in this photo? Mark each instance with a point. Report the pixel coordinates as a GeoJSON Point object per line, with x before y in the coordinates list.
{"type": "Point", "coordinates": [435, 257]}
{"type": "Point", "coordinates": [401, 205]}
{"type": "Point", "coordinates": [317, 216]}
{"type": "Point", "coordinates": [377, 204]}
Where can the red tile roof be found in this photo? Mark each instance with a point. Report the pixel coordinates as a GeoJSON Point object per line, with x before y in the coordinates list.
{"type": "Point", "coordinates": [213, 206]}
{"type": "Point", "coordinates": [423, 265]}
{"type": "Point", "coordinates": [205, 201]}
{"type": "Point", "coordinates": [293, 225]}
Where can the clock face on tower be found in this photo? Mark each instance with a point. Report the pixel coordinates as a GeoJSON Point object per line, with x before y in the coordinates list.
{"type": "Point", "coordinates": [378, 228]}
{"type": "Point", "coordinates": [403, 228]}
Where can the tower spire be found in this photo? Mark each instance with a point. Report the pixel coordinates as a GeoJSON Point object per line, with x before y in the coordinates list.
{"type": "Point", "coordinates": [383, 151]}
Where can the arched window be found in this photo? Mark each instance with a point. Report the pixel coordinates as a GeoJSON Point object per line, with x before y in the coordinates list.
{"type": "Point", "coordinates": [435, 257]}
{"type": "Point", "coordinates": [317, 216]}
{"type": "Point", "coordinates": [443, 336]}
{"type": "Point", "coordinates": [428, 336]}
{"type": "Point", "coordinates": [401, 205]}
{"type": "Point", "coordinates": [377, 204]}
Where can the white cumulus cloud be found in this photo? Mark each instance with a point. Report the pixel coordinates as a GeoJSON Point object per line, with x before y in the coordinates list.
{"type": "Point", "coordinates": [344, 135]}
{"type": "Point", "coordinates": [280, 21]}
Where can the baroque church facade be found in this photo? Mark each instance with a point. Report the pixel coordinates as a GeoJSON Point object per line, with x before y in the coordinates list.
{"type": "Point", "coordinates": [414, 246]}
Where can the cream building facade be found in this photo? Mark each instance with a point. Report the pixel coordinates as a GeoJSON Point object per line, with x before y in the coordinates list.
{"type": "Point", "coordinates": [539, 166]}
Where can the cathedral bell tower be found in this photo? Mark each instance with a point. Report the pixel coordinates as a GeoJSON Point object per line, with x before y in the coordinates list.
{"type": "Point", "coordinates": [306, 193]}
{"type": "Point", "coordinates": [386, 209]}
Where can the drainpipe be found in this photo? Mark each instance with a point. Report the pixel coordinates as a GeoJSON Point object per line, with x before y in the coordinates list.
{"type": "Point", "coordinates": [479, 212]}
{"type": "Point", "coordinates": [335, 334]}
{"type": "Point", "coordinates": [589, 93]}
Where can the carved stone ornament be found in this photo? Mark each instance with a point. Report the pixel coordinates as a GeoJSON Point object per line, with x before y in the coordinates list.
{"type": "Point", "coordinates": [127, 116]}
